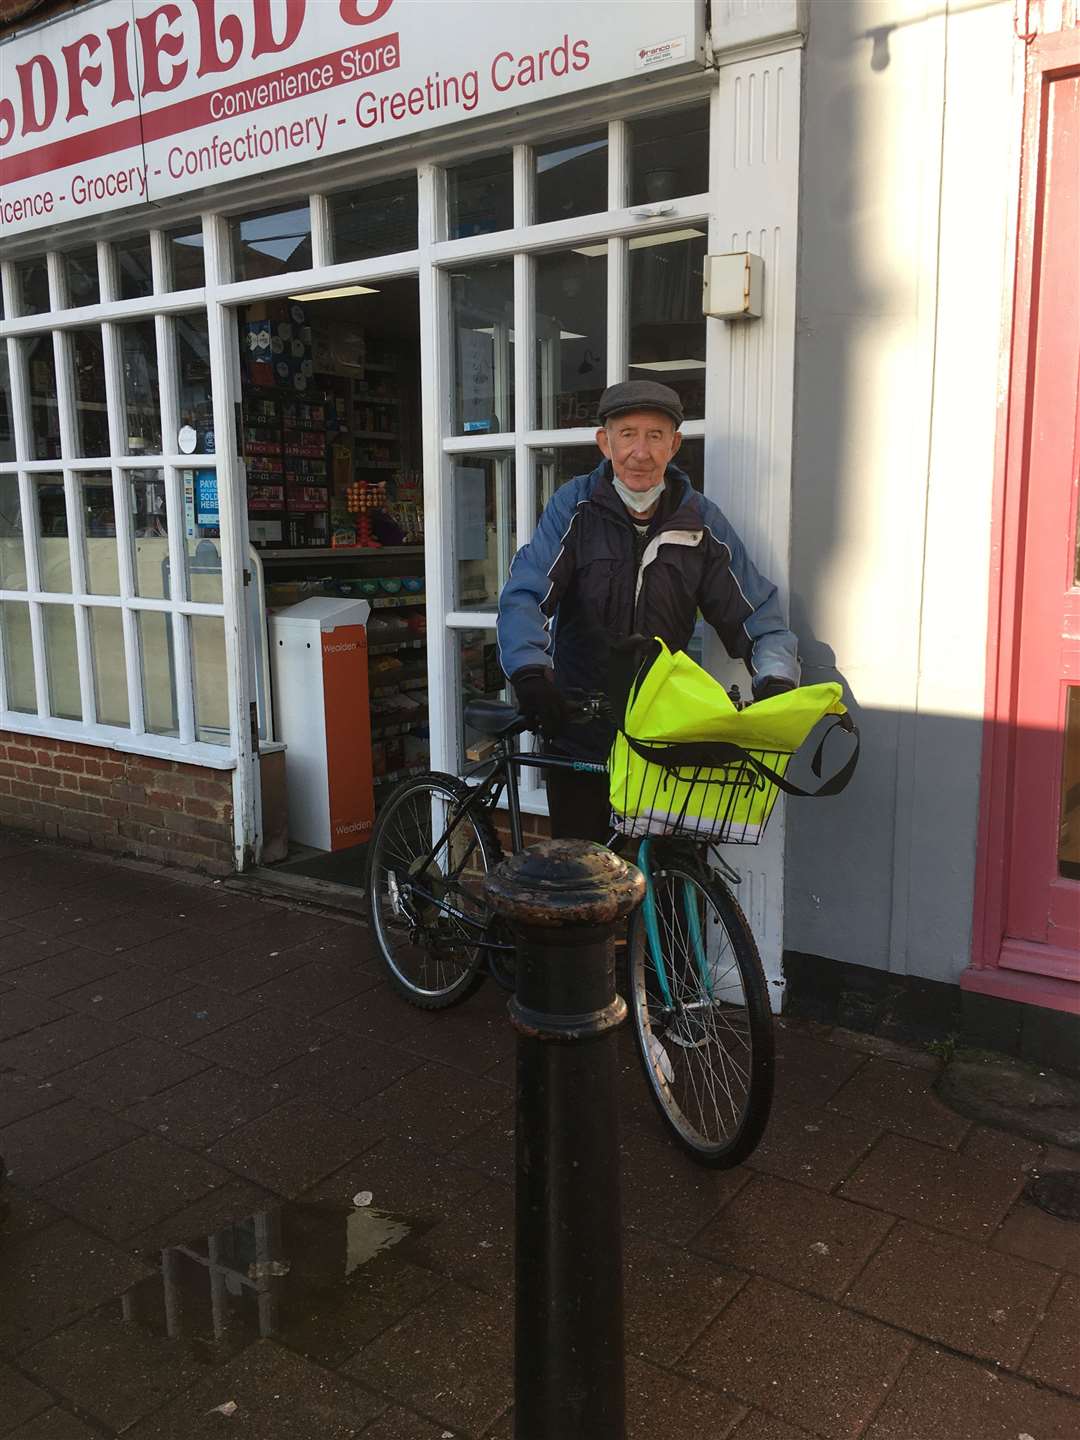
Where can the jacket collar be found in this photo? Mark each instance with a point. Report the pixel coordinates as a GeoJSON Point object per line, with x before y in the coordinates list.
{"type": "Point", "coordinates": [677, 492]}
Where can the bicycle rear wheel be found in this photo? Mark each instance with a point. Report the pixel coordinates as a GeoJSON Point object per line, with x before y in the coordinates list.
{"type": "Point", "coordinates": [701, 1013]}
{"type": "Point", "coordinates": [428, 914]}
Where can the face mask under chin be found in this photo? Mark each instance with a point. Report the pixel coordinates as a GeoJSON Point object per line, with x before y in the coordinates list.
{"type": "Point", "coordinates": [637, 500]}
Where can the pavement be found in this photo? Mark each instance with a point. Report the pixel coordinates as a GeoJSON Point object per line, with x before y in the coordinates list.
{"type": "Point", "coordinates": [253, 1192]}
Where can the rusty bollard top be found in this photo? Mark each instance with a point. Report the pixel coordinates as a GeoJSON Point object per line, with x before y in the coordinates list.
{"type": "Point", "coordinates": [564, 882]}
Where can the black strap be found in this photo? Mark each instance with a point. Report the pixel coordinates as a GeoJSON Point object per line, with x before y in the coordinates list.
{"type": "Point", "coordinates": [711, 754]}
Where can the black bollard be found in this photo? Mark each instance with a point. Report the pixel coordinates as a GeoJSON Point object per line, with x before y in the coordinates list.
{"type": "Point", "coordinates": [563, 899]}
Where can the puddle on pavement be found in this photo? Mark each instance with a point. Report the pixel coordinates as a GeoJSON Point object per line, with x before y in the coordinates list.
{"type": "Point", "coordinates": [286, 1271]}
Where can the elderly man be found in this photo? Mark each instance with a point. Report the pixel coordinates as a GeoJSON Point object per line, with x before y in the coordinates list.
{"type": "Point", "coordinates": [629, 549]}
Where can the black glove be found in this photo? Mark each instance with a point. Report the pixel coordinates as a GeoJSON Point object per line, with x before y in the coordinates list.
{"type": "Point", "coordinates": [772, 685]}
{"type": "Point", "coordinates": [540, 699]}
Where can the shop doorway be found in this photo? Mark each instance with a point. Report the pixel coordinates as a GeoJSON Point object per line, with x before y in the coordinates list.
{"type": "Point", "coordinates": [331, 440]}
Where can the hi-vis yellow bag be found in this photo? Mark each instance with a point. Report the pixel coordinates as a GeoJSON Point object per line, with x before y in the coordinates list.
{"type": "Point", "coordinates": [686, 761]}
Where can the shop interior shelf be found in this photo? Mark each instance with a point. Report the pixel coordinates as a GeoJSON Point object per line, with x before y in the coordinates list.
{"type": "Point", "coordinates": [391, 649]}
{"type": "Point", "coordinates": [393, 775]}
{"type": "Point", "coordinates": [390, 602]}
{"type": "Point", "coordinates": [340, 552]}
{"type": "Point", "coordinates": [375, 435]}
{"type": "Point", "coordinates": [376, 464]}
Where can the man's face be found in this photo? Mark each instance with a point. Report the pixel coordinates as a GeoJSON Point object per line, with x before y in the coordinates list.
{"type": "Point", "coordinates": [639, 445]}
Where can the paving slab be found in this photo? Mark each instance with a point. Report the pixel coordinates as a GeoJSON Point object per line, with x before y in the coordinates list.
{"type": "Point", "coordinates": [126, 932]}
{"type": "Point", "coordinates": [54, 1424]}
{"type": "Point", "coordinates": [131, 1072]}
{"type": "Point", "coordinates": [999, 1147]}
{"type": "Point", "coordinates": [1014, 1094]}
{"type": "Point", "coordinates": [1034, 1234]}
{"type": "Point", "coordinates": [974, 1300]}
{"type": "Point", "coordinates": [907, 1097]}
{"type": "Point", "coordinates": [344, 1074]}
{"type": "Point", "coordinates": [659, 1403]}
{"type": "Point", "coordinates": [50, 1142]}
{"type": "Point", "coordinates": [759, 1426]}
{"type": "Point", "coordinates": [380, 1013]}
{"type": "Point", "coordinates": [53, 1276]}
{"type": "Point", "coordinates": [670, 1297]}
{"type": "Point", "coordinates": [243, 967]}
{"type": "Point", "coordinates": [802, 1359]}
{"type": "Point", "coordinates": [25, 1212]}
{"type": "Point", "coordinates": [112, 1369]}
{"type": "Point", "coordinates": [233, 1201]}
{"type": "Point", "coordinates": [433, 1105]}
{"type": "Point", "coordinates": [313, 986]}
{"type": "Point", "coordinates": [925, 1183]}
{"type": "Point", "coordinates": [665, 1193]}
{"type": "Point", "coordinates": [278, 1396]}
{"type": "Point", "coordinates": [19, 947]}
{"type": "Point", "coordinates": [262, 1042]}
{"type": "Point", "coordinates": [60, 1044]}
{"type": "Point", "coordinates": [810, 1071]}
{"type": "Point", "coordinates": [450, 1359]}
{"type": "Point", "coordinates": [491, 1148]}
{"type": "Point", "coordinates": [77, 912]}
{"type": "Point", "coordinates": [475, 1245]}
{"type": "Point", "coordinates": [20, 1399]}
{"type": "Point", "coordinates": [293, 1146]}
{"type": "Point", "coordinates": [123, 993]}
{"type": "Point", "coordinates": [179, 950]}
{"type": "Point", "coordinates": [397, 1424]}
{"type": "Point", "coordinates": [22, 1010]}
{"type": "Point", "coordinates": [957, 1399]}
{"type": "Point", "coordinates": [194, 1014]}
{"type": "Point", "coordinates": [476, 1041]}
{"type": "Point", "coordinates": [405, 1179]}
{"type": "Point", "coordinates": [206, 1107]}
{"type": "Point", "coordinates": [799, 1236]}
{"type": "Point", "coordinates": [133, 1187]}
{"type": "Point", "coordinates": [1054, 1354]}
{"type": "Point", "coordinates": [813, 1146]}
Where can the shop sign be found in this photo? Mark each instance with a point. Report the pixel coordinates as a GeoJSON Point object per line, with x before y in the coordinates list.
{"type": "Point", "coordinates": [130, 102]}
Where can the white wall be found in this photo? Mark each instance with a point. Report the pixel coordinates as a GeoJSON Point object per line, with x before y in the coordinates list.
{"type": "Point", "coordinates": [908, 174]}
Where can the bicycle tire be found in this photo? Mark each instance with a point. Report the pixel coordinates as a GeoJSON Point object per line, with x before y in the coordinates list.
{"type": "Point", "coordinates": [671, 1037]}
{"type": "Point", "coordinates": [427, 960]}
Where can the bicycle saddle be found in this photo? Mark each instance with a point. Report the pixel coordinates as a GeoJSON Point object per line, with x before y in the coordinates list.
{"type": "Point", "coordinates": [491, 717]}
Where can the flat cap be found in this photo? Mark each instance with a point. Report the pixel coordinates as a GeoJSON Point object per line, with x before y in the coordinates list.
{"type": "Point", "coordinates": [639, 395]}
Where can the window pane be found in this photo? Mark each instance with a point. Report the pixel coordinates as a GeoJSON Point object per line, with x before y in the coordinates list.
{"type": "Point", "coordinates": [18, 657]}
{"type": "Point", "coordinates": [667, 327]}
{"type": "Point", "coordinates": [187, 265]}
{"type": "Point", "coordinates": [203, 552]}
{"type": "Point", "coordinates": [99, 520]}
{"type": "Point", "coordinates": [669, 155]}
{"type": "Point", "coordinates": [480, 196]}
{"type": "Point", "coordinates": [483, 494]}
{"type": "Point", "coordinates": [7, 423]}
{"type": "Point", "coordinates": [210, 679]}
{"type": "Point", "coordinates": [134, 267]}
{"type": "Point", "coordinates": [479, 674]}
{"type": "Point", "coordinates": [571, 336]}
{"type": "Point", "coordinates": [81, 272]}
{"type": "Point", "coordinates": [12, 558]}
{"type": "Point", "coordinates": [572, 177]}
{"type": "Point", "coordinates": [91, 408]}
{"type": "Point", "coordinates": [62, 662]}
{"type": "Point", "coordinates": [378, 220]}
{"type": "Point", "coordinates": [196, 401]}
{"type": "Point", "coordinates": [272, 242]}
{"type": "Point", "coordinates": [44, 414]}
{"type": "Point", "coordinates": [54, 557]}
{"type": "Point", "coordinates": [691, 459]}
{"type": "Point", "coordinates": [138, 349]}
{"type": "Point", "coordinates": [158, 673]}
{"type": "Point", "coordinates": [150, 523]}
{"type": "Point", "coordinates": [556, 467]}
{"type": "Point", "coordinates": [1069, 839]}
{"type": "Point", "coordinates": [32, 287]}
{"type": "Point", "coordinates": [482, 302]}
{"type": "Point", "coordinates": [110, 672]}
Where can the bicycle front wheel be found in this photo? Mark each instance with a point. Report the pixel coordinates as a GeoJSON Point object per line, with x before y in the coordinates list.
{"type": "Point", "coordinates": [701, 1012]}
{"type": "Point", "coordinates": [424, 890]}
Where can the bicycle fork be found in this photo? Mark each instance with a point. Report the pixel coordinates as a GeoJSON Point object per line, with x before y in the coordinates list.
{"type": "Point", "coordinates": [652, 928]}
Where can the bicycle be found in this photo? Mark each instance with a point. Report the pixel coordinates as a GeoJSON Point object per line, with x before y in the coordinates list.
{"type": "Point", "coordinates": [695, 982]}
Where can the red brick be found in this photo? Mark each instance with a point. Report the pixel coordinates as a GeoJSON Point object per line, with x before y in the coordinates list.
{"type": "Point", "coordinates": [74, 834]}
{"type": "Point", "coordinates": [134, 793]}
{"type": "Point", "coordinates": [20, 753]}
{"type": "Point", "coordinates": [165, 799]}
{"type": "Point", "coordinates": [24, 791]}
{"type": "Point", "coordinates": [74, 763]}
{"type": "Point", "coordinates": [203, 809]}
{"type": "Point", "coordinates": [92, 765]}
{"type": "Point", "coordinates": [5, 785]}
{"type": "Point", "coordinates": [111, 770]}
{"type": "Point", "coordinates": [116, 808]}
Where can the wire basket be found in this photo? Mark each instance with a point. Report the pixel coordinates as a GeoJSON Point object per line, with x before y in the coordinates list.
{"type": "Point", "coordinates": [702, 790]}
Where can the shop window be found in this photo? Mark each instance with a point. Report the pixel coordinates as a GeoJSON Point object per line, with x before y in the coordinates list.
{"type": "Point", "coordinates": [99, 525]}
{"type": "Point", "coordinates": [138, 350]}
{"type": "Point", "coordinates": [482, 303]}
{"type": "Point", "coordinates": [479, 674]}
{"type": "Point", "coordinates": [91, 407]}
{"type": "Point", "coordinates": [44, 413]}
{"type": "Point", "coordinates": [669, 154]}
{"type": "Point", "coordinates": [12, 558]}
{"type": "Point", "coordinates": [1069, 834]}
{"type": "Point", "coordinates": [158, 672]}
{"type": "Point", "coordinates": [61, 662]}
{"type": "Point", "coordinates": [18, 657]}
{"type": "Point", "coordinates": [480, 196]}
{"type": "Point", "coordinates": [571, 336]}
{"type": "Point", "coordinates": [110, 670]}
{"type": "Point", "coordinates": [32, 287]}
{"type": "Point", "coordinates": [134, 268]}
{"type": "Point", "coordinates": [482, 488]}
{"type": "Point", "coordinates": [54, 556]}
{"type": "Point", "coordinates": [204, 548]}
{"type": "Point", "coordinates": [572, 177]}
{"type": "Point", "coordinates": [7, 427]}
{"type": "Point", "coordinates": [151, 532]}
{"type": "Point", "coordinates": [691, 460]}
{"type": "Point", "coordinates": [211, 680]}
{"type": "Point", "coordinates": [667, 327]}
{"type": "Point", "coordinates": [187, 264]}
{"type": "Point", "coordinates": [81, 277]}
{"type": "Point", "coordinates": [272, 242]}
{"type": "Point", "coordinates": [556, 467]}
{"type": "Point", "coordinates": [196, 398]}
{"type": "Point", "coordinates": [377, 220]}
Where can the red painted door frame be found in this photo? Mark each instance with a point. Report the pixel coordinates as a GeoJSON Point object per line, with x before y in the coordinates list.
{"type": "Point", "coordinates": [1014, 954]}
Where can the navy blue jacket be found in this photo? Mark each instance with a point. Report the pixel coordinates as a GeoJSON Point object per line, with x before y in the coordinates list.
{"type": "Point", "coordinates": [588, 577]}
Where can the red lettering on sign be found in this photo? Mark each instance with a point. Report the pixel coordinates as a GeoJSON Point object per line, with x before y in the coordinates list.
{"type": "Point", "coordinates": [121, 83]}
{"type": "Point", "coordinates": [230, 32]}
{"type": "Point", "coordinates": [265, 42]}
{"type": "Point", "coordinates": [32, 122]}
{"type": "Point", "coordinates": [352, 14]}
{"type": "Point", "coordinates": [79, 74]}
{"type": "Point", "coordinates": [155, 45]}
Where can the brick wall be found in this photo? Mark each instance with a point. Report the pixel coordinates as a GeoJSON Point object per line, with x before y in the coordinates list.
{"type": "Point", "coordinates": [534, 828]}
{"type": "Point", "coordinates": [125, 804]}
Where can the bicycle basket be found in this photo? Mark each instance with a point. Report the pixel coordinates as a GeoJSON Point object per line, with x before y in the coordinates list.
{"type": "Point", "coordinates": [706, 790]}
